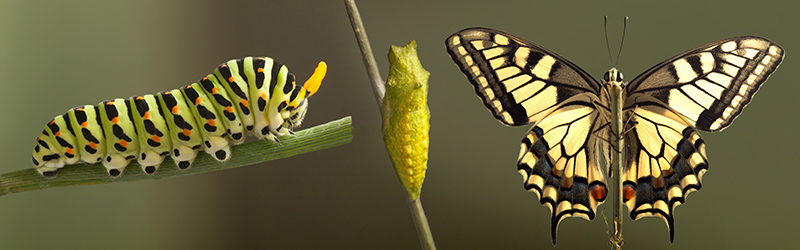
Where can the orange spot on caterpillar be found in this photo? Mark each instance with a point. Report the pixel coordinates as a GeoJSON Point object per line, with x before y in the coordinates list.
{"type": "Point", "coordinates": [204, 79]}
{"type": "Point", "coordinates": [58, 133]}
{"type": "Point", "coordinates": [167, 93]}
{"type": "Point", "coordinates": [223, 66]}
{"type": "Point", "coordinates": [123, 143]}
{"type": "Point", "coordinates": [260, 70]}
{"type": "Point", "coordinates": [139, 98]}
{"type": "Point", "coordinates": [110, 103]}
{"type": "Point", "coordinates": [155, 138]}
{"type": "Point", "coordinates": [212, 122]}
{"type": "Point", "coordinates": [230, 79]}
{"type": "Point", "coordinates": [214, 90]}
{"type": "Point", "coordinates": [146, 115]}
{"type": "Point", "coordinates": [69, 151]}
{"type": "Point", "coordinates": [197, 101]}
{"type": "Point", "coordinates": [115, 120]}
{"type": "Point", "coordinates": [51, 122]}
{"type": "Point", "coordinates": [79, 109]}
{"type": "Point", "coordinates": [229, 109]}
{"type": "Point", "coordinates": [85, 124]}
{"type": "Point", "coordinates": [186, 132]}
{"type": "Point", "coordinates": [175, 110]}
{"type": "Point", "coordinates": [244, 102]}
{"type": "Point", "coordinates": [263, 96]}
{"type": "Point", "coordinates": [93, 145]}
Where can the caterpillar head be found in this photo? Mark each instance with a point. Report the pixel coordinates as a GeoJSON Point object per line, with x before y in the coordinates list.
{"type": "Point", "coordinates": [46, 159]}
{"type": "Point", "coordinates": [296, 110]}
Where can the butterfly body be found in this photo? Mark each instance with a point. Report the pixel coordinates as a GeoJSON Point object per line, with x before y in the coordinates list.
{"type": "Point", "coordinates": [649, 124]}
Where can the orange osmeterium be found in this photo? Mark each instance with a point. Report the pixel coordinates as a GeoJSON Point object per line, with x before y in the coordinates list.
{"type": "Point", "coordinates": [313, 82]}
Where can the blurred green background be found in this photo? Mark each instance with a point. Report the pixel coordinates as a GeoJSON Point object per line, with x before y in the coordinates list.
{"type": "Point", "coordinates": [55, 55]}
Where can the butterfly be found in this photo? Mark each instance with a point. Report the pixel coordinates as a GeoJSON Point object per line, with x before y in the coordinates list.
{"type": "Point", "coordinates": [662, 109]}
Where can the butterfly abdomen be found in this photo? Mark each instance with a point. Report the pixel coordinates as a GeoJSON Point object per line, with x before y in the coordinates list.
{"type": "Point", "coordinates": [211, 114]}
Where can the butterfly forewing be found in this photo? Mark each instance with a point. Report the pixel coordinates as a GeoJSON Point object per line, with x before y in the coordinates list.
{"type": "Point", "coordinates": [517, 80]}
{"type": "Point", "coordinates": [711, 84]}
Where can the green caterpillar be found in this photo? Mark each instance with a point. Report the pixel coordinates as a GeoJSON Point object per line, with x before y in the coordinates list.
{"type": "Point", "coordinates": [253, 94]}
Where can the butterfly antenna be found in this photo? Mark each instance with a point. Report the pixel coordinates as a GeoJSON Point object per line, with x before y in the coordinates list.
{"type": "Point", "coordinates": [608, 47]}
{"type": "Point", "coordinates": [624, 28]}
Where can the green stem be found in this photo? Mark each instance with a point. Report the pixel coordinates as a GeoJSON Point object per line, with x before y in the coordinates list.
{"type": "Point", "coordinates": [366, 51]}
{"type": "Point", "coordinates": [324, 136]}
{"type": "Point", "coordinates": [424, 231]}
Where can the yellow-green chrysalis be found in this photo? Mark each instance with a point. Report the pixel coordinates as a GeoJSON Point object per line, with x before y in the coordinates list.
{"type": "Point", "coordinates": [406, 117]}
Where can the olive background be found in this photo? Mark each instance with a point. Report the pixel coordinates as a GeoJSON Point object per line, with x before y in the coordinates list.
{"type": "Point", "coordinates": [55, 55]}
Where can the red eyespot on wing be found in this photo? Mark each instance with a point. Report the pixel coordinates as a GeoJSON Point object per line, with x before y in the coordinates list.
{"type": "Point", "coordinates": [598, 192]}
{"type": "Point", "coordinates": [628, 192]}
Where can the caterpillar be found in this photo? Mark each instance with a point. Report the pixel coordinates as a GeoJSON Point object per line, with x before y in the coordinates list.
{"type": "Point", "coordinates": [250, 95]}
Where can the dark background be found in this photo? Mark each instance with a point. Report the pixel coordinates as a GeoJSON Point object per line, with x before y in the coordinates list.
{"type": "Point", "coordinates": [55, 55]}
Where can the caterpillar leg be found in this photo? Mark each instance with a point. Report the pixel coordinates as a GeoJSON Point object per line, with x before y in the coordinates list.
{"type": "Point", "coordinates": [151, 160]}
{"type": "Point", "coordinates": [218, 147]}
{"type": "Point", "coordinates": [184, 156]}
{"type": "Point", "coordinates": [115, 163]}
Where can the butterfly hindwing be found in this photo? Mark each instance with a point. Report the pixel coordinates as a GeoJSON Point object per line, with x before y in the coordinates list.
{"type": "Point", "coordinates": [517, 80]}
{"type": "Point", "coordinates": [711, 84]}
{"type": "Point", "coordinates": [558, 160]}
{"type": "Point", "coordinates": [665, 160]}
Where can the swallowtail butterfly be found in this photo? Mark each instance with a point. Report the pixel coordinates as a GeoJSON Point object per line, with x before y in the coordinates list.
{"type": "Point", "coordinates": [704, 88]}
{"type": "Point", "coordinates": [252, 94]}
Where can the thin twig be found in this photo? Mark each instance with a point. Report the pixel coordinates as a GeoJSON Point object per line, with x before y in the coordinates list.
{"type": "Point", "coordinates": [366, 51]}
{"type": "Point", "coordinates": [421, 222]}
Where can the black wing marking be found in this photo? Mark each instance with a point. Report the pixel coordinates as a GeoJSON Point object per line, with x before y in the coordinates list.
{"type": "Point", "coordinates": [517, 80]}
{"type": "Point", "coordinates": [558, 160]}
{"type": "Point", "coordinates": [711, 84]}
{"type": "Point", "coordinates": [665, 161]}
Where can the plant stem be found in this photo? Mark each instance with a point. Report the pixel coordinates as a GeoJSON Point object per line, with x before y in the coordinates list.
{"type": "Point", "coordinates": [324, 136]}
{"type": "Point", "coordinates": [366, 51]}
{"type": "Point", "coordinates": [424, 231]}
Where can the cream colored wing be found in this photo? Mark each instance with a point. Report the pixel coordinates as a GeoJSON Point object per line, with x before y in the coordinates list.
{"type": "Point", "coordinates": [517, 80]}
{"type": "Point", "coordinates": [665, 160]}
{"type": "Point", "coordinates": [704, 88]}
{"type": "Point", "coordinates": [559, 160]}
{"type": "Point", "coordinates": [711, 84]}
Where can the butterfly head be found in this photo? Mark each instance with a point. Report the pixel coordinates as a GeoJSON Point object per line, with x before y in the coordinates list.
{"type": "Point", "coordinates": [613, 76]}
